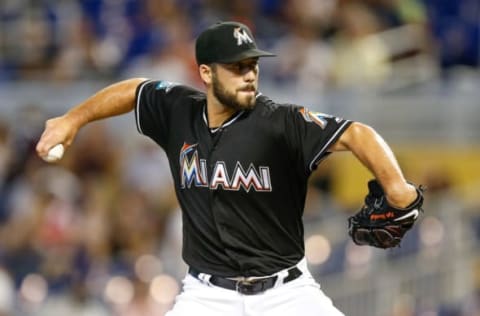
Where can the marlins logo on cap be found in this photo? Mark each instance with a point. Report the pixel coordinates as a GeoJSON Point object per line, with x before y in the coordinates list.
{"type": "Point", "coordinates": [242, 36]}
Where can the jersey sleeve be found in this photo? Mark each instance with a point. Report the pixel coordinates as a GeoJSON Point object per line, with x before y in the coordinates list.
{"type": "Point", "coordinates": [154, 102]}
{"type": "Point", "coordinates": [312, 133]}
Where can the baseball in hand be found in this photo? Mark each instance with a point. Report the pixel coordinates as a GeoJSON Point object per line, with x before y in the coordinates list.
{"type": "Point", "coordinates": [55, 153]}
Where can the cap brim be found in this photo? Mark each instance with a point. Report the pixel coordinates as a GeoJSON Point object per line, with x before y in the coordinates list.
{"type": "Point", "coordinates": [251, 53]}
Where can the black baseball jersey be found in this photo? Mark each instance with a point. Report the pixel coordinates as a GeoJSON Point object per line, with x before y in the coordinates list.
{"type": "Point", "coordinates": [242, 185]}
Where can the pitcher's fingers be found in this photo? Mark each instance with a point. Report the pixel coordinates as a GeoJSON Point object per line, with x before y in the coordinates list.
{"type": "Point", "coordinates": [44, 144]}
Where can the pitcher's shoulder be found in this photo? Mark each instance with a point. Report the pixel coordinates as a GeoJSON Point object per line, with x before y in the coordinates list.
{"type": "Point", "coordinates": [269, 107]}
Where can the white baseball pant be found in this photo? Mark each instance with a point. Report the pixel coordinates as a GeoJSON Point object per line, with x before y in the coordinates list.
{"type": "Point", "coordinates": [301, 296]}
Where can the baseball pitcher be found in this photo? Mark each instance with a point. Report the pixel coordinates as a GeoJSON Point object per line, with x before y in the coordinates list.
{"type": "Point", "coordinates": [240, 164]}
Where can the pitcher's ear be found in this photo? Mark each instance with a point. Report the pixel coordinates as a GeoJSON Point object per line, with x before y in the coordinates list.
{"type": "Point", "coordinates": [206, 73]}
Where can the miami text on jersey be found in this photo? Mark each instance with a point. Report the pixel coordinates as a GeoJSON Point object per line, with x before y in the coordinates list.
{"type": "Point", "coordinates": [193, 170]}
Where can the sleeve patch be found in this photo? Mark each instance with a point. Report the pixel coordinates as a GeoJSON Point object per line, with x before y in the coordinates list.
{"type": "Point", "coordinates": [318, 118]}
{"type": "Point", "coordinates": [165, 85]}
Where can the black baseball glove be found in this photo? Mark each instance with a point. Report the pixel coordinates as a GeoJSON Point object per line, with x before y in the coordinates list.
{"type": "Point", "coordinates": [379, 224]}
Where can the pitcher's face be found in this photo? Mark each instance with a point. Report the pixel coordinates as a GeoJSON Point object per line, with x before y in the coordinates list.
{"type": "Point", "coordinates": [235, 85]}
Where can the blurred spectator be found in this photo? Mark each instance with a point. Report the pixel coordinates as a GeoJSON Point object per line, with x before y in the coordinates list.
{"type": "Point", "coordinates": [456, 28]}
{"type": "Point", "coordinates": [28, 30]}
{"type": "Point", "coordinates": [77, 44]}
{"type": "Point", "coordinates": [94, 154]}
{"type": "Point", "coordinates": [360, 57]}
{"type": "Point", "coordinates": [146, 169]}
{"type": "Point", "coordinates": [5, 162]}
{"type": "Point", "coordinates": [304, 58]}
{"type": "Point", "coordinates": [171, 58]}
{"type": "Point", "coordinates": [77, 301]}
{"type": "Point", "coordinates": [142, 303]}
{"type": "Point", "coordinates": [7, 294]}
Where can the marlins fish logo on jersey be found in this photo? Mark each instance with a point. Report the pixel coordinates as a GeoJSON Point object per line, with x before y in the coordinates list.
{"type": "Point", "coordinates": [165, 85]}
{"type": "Point", "coordinates": [318, 118]}
{"type": "Point", "coordinates": [193, 171]}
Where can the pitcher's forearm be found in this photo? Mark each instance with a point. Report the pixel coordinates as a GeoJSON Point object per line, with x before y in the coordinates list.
{"type": "Point", "coordinates": [372, 150]}
{"type": "Point", "coordinates": [116, 99]}
{"type": "Point", "coordinates": [375, 154]}
{"type": "Point", "coordinates": [113, 100]}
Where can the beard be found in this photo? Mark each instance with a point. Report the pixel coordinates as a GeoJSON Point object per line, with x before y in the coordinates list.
{"type": "Point", "coordinates": [231, 99]}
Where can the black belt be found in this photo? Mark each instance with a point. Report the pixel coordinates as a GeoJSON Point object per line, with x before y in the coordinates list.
{"type": "Point", "coordinates": [248, 286]}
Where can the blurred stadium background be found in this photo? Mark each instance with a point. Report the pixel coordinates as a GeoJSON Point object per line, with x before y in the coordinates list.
{"type": "Point", "coordinates": [100, 233]}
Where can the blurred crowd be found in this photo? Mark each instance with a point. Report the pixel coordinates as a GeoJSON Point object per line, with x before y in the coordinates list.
{"type": "Point", "coordinates": [319, 43]}
{"type": "Point", "coordinates": [92, 227]}
{"type": "Point", "coordinates": [100, 232]}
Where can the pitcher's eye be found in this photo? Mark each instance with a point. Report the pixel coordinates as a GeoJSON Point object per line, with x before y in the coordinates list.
{"type": "Point", "coordinates": [244, 67]}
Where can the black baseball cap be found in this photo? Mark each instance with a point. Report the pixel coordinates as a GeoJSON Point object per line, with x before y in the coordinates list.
{"type": "Point", "coordinates": [226, 42]}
